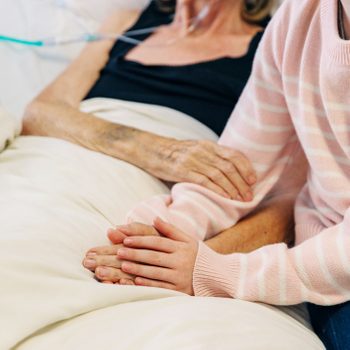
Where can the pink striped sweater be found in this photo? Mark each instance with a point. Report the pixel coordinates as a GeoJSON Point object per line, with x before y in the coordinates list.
{"type": "Point", "coordinates": [298, 97]}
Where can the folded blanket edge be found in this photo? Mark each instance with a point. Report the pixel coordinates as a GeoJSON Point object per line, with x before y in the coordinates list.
{"type": "Point", "coordinates": [9, 128]}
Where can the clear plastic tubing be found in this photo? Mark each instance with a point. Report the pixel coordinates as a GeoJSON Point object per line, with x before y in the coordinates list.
{"type": "Point", "coordinates": [90, 37]}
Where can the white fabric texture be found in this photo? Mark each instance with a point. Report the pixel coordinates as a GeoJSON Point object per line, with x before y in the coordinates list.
{"type": "Point", "coordinates": [9, 129]}
{"type": "Point", "coordinates": [29, 70]}
{"type": "Point", "coordinates": [57, 201]}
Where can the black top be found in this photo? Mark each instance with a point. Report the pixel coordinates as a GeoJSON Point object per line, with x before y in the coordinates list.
{"type": "Point", "coordinates": [208, 91]}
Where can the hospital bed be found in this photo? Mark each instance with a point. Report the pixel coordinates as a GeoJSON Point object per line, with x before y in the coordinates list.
{"type": "Point", "coordinates": [47, 299]}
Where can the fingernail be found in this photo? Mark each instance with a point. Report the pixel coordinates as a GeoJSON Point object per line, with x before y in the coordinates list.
{"type": "Point", "coordinates": [89, 263]}
{"type": "Point", "coordinates": [127, 241]}
{"type": "Point", "coordinates": [252, 179]}
{"type": "Point", "coordinates": [91, 254]}
{"type": "Point", "coordinates": [121, 252]}
{"type": "Point", "coordinates": [248, 196]}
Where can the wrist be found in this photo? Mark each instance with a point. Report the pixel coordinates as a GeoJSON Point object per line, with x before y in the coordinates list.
{"type": "Point", "coordinates": [140, 148]}
{"type": "Point", "coordinates": [215, 274]}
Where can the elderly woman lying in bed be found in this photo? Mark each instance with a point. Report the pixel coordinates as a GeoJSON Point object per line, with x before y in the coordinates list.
{"type": "Point", "coordinates": [200, 73]}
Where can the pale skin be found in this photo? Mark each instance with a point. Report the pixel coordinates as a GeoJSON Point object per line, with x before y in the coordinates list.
{"type": "Point", "coordinates": [55, 112]}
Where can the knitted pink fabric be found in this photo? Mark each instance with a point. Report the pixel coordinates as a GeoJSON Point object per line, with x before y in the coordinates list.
{"type": "Point", "coordinates": [298, 97]}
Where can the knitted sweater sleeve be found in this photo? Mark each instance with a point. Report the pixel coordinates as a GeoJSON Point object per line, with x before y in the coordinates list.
{"type": "Point", "coordinates": [316, 271]}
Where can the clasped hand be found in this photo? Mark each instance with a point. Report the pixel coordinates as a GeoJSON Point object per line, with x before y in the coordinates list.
{"type": "Point", "coordinates": [161, 256]}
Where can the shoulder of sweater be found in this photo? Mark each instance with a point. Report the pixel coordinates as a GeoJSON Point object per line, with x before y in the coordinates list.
{"type": "Point", "coordinates": [296, 11]}
{"type": "Point", "coordinates": [290, 25]}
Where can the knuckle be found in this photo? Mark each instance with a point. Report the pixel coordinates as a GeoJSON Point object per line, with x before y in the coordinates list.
{"type": "Point", "coordinates": [229, 168]}
{"type": "Point", "coordinates": [238, 154]}
{"type": "Point", "coordinates": [156, 259]}
{"type": "Point", "coordinates": [203, 181]}
{"type": "Point", "coordinates": [215, 174]}
{"type": "Point", "coordinates": [159, 240]}
{"type": "Point", "coordinates": [162, 275]}
{"type": "Point", "coordinates": [134, 269]}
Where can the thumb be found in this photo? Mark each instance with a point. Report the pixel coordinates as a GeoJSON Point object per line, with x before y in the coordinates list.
{"type": "Point", "coordinates": [170, 231]}
{"type": "Point", "coordinates": [115, 236]}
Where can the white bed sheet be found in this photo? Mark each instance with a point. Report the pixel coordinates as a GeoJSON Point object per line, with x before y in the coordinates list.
{"type": "Point", "coordinates": [48, 301]}
{"type": "Point", "coordinates": [57, 201]}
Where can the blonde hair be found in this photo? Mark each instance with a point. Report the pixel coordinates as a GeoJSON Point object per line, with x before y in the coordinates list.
{"type": "Point", "coordinates": [253, 11]}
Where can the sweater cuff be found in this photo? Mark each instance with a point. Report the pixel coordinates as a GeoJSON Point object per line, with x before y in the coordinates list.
{"type": "Point", "coordinates": [215, 275]}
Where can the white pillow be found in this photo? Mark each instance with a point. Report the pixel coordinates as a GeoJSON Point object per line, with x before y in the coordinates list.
{"type": "Point", "coordinates": [97, 9]}
{"type": "Point", "coordinates": [29, 70]}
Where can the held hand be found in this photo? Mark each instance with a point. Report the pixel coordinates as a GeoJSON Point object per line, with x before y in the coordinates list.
{"type": "Point", "coordinates": [163, 262]}
{"type": "Point", "coordinates": [220, 169]}
{"type": "Point", "coordinates": [104, 262]}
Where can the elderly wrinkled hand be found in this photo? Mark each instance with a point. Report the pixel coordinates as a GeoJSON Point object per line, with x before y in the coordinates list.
{"type": "Point", "coordinates": [220, 169]}
{"type": "Point", "coordinates": [104, 261]}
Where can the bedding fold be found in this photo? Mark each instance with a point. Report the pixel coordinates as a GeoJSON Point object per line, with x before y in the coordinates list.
{"type": "Point", "coordinates": [9, 128]}
{"type": "Point", "coordinates": [57, 201]}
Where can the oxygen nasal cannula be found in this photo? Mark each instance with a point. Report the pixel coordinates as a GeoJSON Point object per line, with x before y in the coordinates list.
{"type": "Point", "coordinates": [90, 37]}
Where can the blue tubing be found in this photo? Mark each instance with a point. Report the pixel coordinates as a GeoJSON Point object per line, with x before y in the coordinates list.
{"type": "Point", "coordinates": [20, 41]}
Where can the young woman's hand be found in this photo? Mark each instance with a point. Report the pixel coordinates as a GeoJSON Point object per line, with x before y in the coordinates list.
{"type": "Point", "coordinates": [163, 262]}
{"type": "Point", "coordinates": [220, 169]}
{"type": "Point", "coordinates": [104, 261]}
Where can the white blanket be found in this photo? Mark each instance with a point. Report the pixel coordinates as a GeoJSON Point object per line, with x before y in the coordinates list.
{"type": "Point", "coordinates": [57, 201]}
{"type": "Point", "coordinates": [9, 129]}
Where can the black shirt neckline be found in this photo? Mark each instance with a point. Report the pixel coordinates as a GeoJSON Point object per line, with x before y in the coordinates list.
{"type": "Point", "coordinates": [251, 50]}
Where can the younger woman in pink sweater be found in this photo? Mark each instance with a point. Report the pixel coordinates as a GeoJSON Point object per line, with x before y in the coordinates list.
{"type": "Point", "coordinates": [297, 100]}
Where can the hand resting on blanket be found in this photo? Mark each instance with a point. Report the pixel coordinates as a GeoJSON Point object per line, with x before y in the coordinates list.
{"type": "Point", "coordinates": [161, 256]}
{"type": "Point", "coordinates": [104, 261]}
{"type": "Point", "coordinates": [55, 113]}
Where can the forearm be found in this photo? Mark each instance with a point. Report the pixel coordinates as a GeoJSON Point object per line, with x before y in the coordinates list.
{"type": "Point", "coordinates": [271, 223]}
{"type": "Point", "coordinates": [60, 120]}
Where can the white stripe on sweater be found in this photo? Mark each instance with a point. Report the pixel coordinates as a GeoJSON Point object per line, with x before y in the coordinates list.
{"type": "Point", "coordinates": [261, 276]}
{"type": "Point", "coordinates": [282, 277]}
{"type": "Point", "coordinates": [253, 145]}
{"type": "Point", "coordinates": [242, 276]}
{"type": "Point", "coordinates": [324, 268]}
